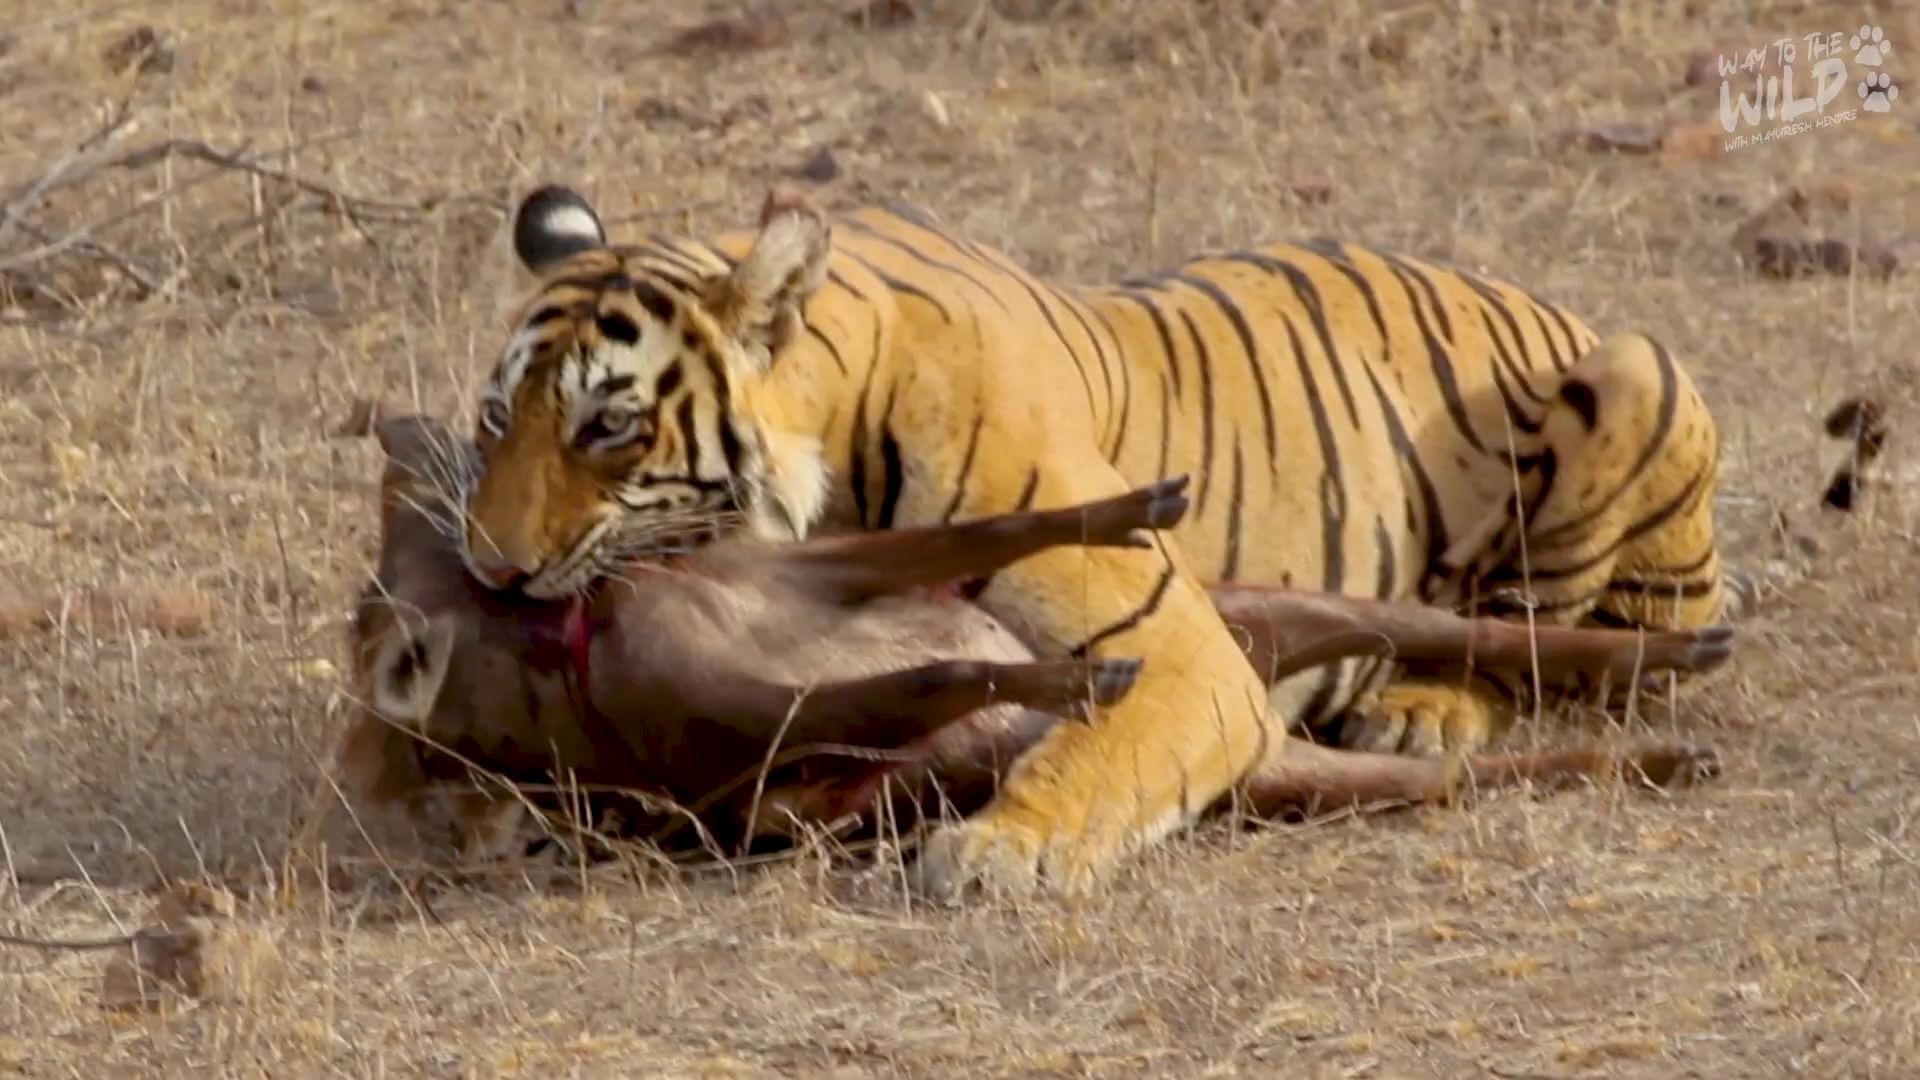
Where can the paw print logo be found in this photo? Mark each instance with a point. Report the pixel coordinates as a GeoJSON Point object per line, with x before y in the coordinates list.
{"type": "Point", "coordinates": [1870, 46]}
{"type": "Point", "coordinates": [1878, 92]}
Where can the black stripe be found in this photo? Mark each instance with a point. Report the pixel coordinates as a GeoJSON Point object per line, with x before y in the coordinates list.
{"type": "Point", "coordinates": [1604, 618]}
{"type": "Point", "coordinates": [1161, 328]}
{"type": "Point", "coordinates": [658, 304]}
{"type": "Point", "coordinates": [1309, 296]}
{"type": "Point", "coordinates": [1655, 441]}
{"type": "Point", "coordinates": [689, 434]}
{"type": "Point", "coordinates": [586, 291]}
{"type": "Point", "coordinates": [1441, 365]}
{"type": "Point", "coordinates": [1695, 488]}
{"type": "Point", "coordinates": [616, 327]}
{"type": "Point", "coordinates": [1434, 523]}
{"type": "Point", "coordinates": [893, 476]}
{"type": "Point", "coordinates": [1554, 353]}
{"type": "Point", "coordinates": [1314, 712]}
{"type": "Point", "coordinates": [1027, 490]}
{"type": "Point", "coordinates": [914, 215]}
{"type": "Point", "coordinates": [673, 251]}
{"type": "Point", "coordinates": [923, 221]}
{"type": "Point", "coordinates": [922, 257]}
{"type": "Point", "coordinates": [1333, 490]}
{"type": "Point", "coordinates": [1126, 381]}
{"type": "Point", "coordinates": [1230, 563]}
{"type": "Point", "coordinates": [1579, 396]}
{"type": "Point", "coordinates": [1516, 413]}
{"type": "Point", "coordinates": [1206, 414]}
{"type": "Point", "coordinates": [1639, 587]}
{"type": "Point", "coordinates": [1491, 298]}
{"type": "Point", "coordinates": [1338, 258]}
{"type": "Point", "coordinates": [1692, 566]}
{"type": "Point", "coordinates": [615, 384]}
{"type": "Point", "coordinates": [1433, 292]}
{"type": "Point", "coordinates": [834, 277]}
{"type": "Point", "coordinates": [1138, 615]}
{"type": "Point", "coordinates": [1560, 319]}
{"type": "Point", "coordinates": [857, 448]}
{"type": "Point", "coordinates": [1099, 350]}
{"type": "Point", "coordinates": [1053, 324]}
{"type": "Point", "coordinates": [1388, 581]}
{"type": "Point", "coordinates": [902, 287]}
{"type": "Point", "coordinates": [668, 382]}
{"type": "Point", "coordinates": [730, 447]}
{"type": "Point", "coordinates": [1166, 428]}
{"type": "Point", "coordinates": [966, 468]}
{"type": "Point", "coordinates": [832, 350]}
{"type": "Point", "coordinates": [1245, 333]}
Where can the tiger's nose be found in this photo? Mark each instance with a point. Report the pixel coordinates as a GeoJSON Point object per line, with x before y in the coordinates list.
{"type": "Point", "coordinates": [500, 576]}
{"type": "Point", "coordinates": [492, 567]}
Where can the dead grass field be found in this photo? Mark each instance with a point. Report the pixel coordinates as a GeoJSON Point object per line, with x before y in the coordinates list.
{"type": "Point", "coordinates": [168, 383]}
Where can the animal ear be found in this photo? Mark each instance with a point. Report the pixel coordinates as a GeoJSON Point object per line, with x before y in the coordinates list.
{"type": "Point", "coordinates": [410, 668]}
{"type": "Point", "coordinates": [413, 439]}
{"type": "Point", "coordinates": [422, 447]}
{"type": "Point", "coordinates": [553, 222]}
{"type": "Point", "coordinates": [759, 303]}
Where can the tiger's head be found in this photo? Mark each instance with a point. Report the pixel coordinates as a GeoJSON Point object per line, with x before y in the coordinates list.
{"type": "Point", "coordinates": [622, 410]}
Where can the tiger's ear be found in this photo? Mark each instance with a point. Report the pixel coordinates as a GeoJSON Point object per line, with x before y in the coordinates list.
{"type": "Point", "coordinates": [409, 668]}
{"type": "Point", "coordinates": [759, 303]}
{"type": "Point", "coordinates": [553, 222]}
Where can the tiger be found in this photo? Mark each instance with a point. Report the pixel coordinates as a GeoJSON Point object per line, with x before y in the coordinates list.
{"type": "Point", "coordinates": [1353, 419]}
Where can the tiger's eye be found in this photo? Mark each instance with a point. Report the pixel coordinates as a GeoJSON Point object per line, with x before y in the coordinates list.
{"type": "Point", "coordinates": [617, 419]}
{"type": "Point", "coordinates": [615, 423]}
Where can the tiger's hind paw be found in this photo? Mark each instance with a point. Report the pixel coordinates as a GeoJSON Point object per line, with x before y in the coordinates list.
{"type": "Point", "coordinates": [1422, 719]}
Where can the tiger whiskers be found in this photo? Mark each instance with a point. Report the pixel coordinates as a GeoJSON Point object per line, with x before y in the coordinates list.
{"type": "Point", "coordinates": [448, 475]}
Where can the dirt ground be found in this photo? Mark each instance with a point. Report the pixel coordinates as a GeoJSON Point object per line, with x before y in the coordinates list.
{"type": "Point", "coordinates": [182, 331]}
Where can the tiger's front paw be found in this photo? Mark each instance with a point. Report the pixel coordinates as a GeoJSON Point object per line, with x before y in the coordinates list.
{"type": "Point", "coordinates": [992, 854]}
{"type": "Point", "coordinates": [1422, 719]}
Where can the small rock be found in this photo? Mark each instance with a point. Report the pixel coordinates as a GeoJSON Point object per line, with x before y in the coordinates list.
{"type": "Point", "coordinates": [142, 48]}
{"type": "Point", "coordinates": [313, 84]}
{"type": "Point", "coordinates": [1790, 257]}
{"type": "Point", "coordinates": [935, 109]}
{"type": "Point", "coordinates": [1861, 422]}
{"type": "Point", "coordinates": [820, 167]}
{"type": "Point", "coordinates": [1026, 10]}
{"type": "Point", "coordinates": [883, 14]}
{"type": "Point", "coordinates": [1629, 138]}
{"type": "Point", "coordinates": [748, 33]}
{"type": "Point", "coordinates": [1795, 237]}
{"type": "Point", "coordinates": [658, 110]}
{"type": "Point", "coordinates": [1316, 192]}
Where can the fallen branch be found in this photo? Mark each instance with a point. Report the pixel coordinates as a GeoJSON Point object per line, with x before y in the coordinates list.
{"type": "Point", "coordinates": [100, 153]}
{"type": "Point", "coordinates": [62, 170]}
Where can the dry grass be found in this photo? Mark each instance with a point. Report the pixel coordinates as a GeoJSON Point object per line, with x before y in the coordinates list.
{"type": "Point", "coordinates": [175, 445]}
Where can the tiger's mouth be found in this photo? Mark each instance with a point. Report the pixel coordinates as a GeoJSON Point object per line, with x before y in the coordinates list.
{"type": "Point", "coordinates": [618, 541]}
